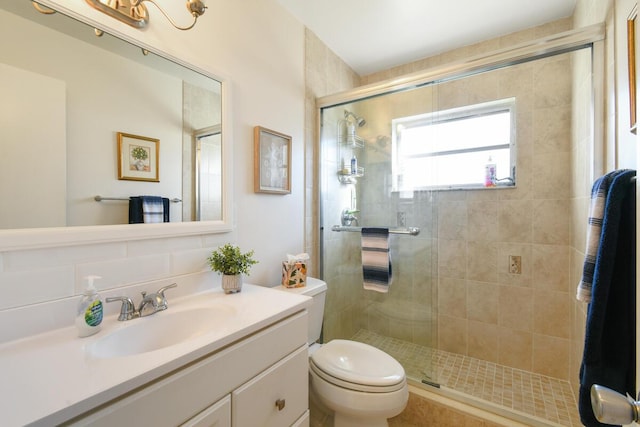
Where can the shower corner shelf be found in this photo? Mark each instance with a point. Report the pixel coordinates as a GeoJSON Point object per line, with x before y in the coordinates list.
{"type": "Point", "coordinates": [346, 177]}
{"type": "Point", "coordinates": [352, 141]}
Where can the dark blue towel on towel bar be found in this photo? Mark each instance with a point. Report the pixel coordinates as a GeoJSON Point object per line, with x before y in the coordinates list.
{"type": "Point", "coordinates": [376, 261]}
{"type": "Point", "coordinates": [599, 193]}
{"type": "Point", "coordinates": [610, 336]}
{"type": "Point", "coordinates": [136, 209]}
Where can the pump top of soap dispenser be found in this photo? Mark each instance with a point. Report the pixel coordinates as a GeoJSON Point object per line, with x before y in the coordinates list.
{"type": "Point", "coordinates": [90, 288]}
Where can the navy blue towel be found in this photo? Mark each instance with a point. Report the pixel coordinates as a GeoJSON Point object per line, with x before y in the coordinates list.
{"type": "Point", "coordinates": [136, 213]}
{"type": "Point", "coordinates": [609, 348]}
{"type": "Point", "coordinates": [599, 193]}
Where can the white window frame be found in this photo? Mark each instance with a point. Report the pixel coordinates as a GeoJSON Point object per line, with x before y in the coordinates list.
{"type": "Point", "coordinates": [461, 113]}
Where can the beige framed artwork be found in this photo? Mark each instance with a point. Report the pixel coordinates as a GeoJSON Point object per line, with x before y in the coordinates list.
{"type": "Point", "coordinates": [138, 158]}
{"type": "Point", "coordinates": [271, 161]}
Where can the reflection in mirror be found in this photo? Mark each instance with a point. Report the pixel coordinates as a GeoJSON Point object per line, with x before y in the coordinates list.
{"type": "Point", "coordinates": [208, 173]}
{"type": "Point", "coordinates": [66, 95]}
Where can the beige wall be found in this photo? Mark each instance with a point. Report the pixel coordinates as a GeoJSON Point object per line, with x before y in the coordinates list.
{"type": "Point", "coordinates": [325, 74]}
{"type": "Point", "coordinates": [589, 12]}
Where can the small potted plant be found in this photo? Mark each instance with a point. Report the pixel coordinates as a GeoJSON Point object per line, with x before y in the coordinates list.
{"type": "Point", "coordinates": [232, 264]}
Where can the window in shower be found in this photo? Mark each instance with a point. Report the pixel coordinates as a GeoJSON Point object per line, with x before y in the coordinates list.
{"type": "Point", "coordinates": [450, 148]}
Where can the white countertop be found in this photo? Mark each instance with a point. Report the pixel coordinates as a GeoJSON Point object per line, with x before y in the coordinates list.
{"type": "Point", "coordinates": [51, 377]}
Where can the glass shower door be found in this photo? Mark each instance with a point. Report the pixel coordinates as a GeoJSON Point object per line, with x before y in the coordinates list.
{"type": "Point", "coordinates": [400, 322]}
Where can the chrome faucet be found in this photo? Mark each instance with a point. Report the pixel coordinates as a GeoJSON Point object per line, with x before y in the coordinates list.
{"type": "Point", "coordinates": [149, 305]}
{"type": "Point", "coordinates": [157, 301]}
{"type": "Point", "coordinates": [127, 310]}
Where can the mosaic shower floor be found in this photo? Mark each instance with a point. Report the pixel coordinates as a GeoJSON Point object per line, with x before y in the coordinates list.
{"type": "Point", "coordinates": [536, 395]}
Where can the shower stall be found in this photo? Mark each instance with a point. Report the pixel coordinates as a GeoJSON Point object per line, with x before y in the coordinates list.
{"type": "Point", "coordinates": [471, 168]}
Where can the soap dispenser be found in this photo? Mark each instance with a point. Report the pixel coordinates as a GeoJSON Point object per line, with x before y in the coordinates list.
{"type": "Point", "coordinates": [89, 314]}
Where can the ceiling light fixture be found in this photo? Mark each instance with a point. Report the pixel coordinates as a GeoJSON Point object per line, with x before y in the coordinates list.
{"type": "Point", "coordinates": [42, 9]}
{"type": "Point", "coordinates": [134, 12]}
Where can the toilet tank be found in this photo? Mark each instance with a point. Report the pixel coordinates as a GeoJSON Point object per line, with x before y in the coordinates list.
{"type": "Point", "coordinates": [316, 289]}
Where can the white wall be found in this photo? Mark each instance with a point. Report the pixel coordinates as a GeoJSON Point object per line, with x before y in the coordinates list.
{"type": "Point", "coordinates": [101, 97]}
{"type": "Point", "coordinates": [258, 48]}
{"type": "Point", "coordinates": [626, 144]}
{"type": "Point", "coordinates": [266, 58]}
{"type": "Point", "coordinates": [28, 153]}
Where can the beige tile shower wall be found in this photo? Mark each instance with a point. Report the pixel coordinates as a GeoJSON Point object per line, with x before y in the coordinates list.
{"type": "Point", "coordinates": [587, 12]}
{"type": "Point", "coordinates": [515, 296]}
{"type": "Point", "coordinates": [343, 309]}
{"type": "Point", "coordinates": [521, 320]}
{"type": "Point", "coordinates": [580, 196]}
{"type": "Point", "coordinates": [326, 73]}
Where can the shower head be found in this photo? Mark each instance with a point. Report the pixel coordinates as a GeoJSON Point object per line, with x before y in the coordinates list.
{"type": "Point", "coordinates": [359, 120]}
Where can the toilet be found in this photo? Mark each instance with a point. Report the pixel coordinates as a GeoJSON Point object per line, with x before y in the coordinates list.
{"type": "Point", "coordinates": [360, 384]}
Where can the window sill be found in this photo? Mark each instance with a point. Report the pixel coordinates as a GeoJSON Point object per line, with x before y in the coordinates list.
{"type": "Point", "coordinates": [458, 188]}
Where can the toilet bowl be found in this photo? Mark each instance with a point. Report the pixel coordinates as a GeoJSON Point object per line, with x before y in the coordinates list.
{"type": "Point", "coordinates": [360, 384]}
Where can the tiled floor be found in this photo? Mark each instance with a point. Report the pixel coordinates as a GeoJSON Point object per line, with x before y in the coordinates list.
{"type": "Point", "coordinates": [532, 394]}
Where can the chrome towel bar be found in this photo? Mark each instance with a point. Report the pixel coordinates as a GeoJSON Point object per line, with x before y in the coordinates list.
{"type": "Point", "coordinates": [100, 198]}
{"type": "Point", "coordinates": [413, 231]}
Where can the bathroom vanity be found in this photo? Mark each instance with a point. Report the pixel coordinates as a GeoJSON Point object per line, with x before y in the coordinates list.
{"type": "Point", "coordinates": [244, 366]}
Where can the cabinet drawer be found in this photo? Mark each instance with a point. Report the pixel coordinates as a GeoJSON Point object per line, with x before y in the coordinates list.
{"type": "Point", "coordinates": [255, 402]}
{"type": "Point", "coordinates": [216, 415]}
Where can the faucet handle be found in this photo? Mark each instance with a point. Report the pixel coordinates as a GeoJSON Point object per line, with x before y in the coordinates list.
{"type": "Point", "coordinates": [127, 310]}
{"type": "Point", "coordinates": [162, 300]}
{"type": "Point", "coordinates": [164, 288]}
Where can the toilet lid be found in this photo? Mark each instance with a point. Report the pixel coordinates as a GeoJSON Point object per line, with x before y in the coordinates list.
{"type": "Point", "coordinates": [358, 363]}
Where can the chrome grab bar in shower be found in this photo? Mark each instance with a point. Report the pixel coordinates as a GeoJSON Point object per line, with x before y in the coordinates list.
{"type": "Point", "coordinates": [413, 231]}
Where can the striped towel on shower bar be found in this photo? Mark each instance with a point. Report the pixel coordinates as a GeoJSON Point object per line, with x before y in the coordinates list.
{"type": "Point", "coordinates": [376, 260]}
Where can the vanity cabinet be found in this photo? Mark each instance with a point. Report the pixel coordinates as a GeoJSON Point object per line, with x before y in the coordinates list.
{"type": "Point", "coordinates": [260, 380]}
{"type": "Point", "coordinates": [217, 415]}
{"type": "Point", "coordinates": [274, 397]}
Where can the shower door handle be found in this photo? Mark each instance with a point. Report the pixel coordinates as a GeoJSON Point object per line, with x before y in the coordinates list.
{"type": "Point", "coordinates": [611, 407]}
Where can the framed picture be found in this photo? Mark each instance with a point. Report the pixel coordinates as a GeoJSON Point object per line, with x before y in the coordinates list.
{"type": "Point", "coordinates": [631, 57]}
{"type": "Point", "coordinates": [271, 161]}
{"type": "Point", "coordinates": [138, 158]}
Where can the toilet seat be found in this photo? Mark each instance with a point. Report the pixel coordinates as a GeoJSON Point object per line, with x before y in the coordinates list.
{"type": "Point", "coordinates": [357, 366]}
{"type": "Point", "coordinates": [337, 382]}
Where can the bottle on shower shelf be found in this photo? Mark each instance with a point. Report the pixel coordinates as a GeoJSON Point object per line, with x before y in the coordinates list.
{"type": "Point", "coordinates": [351, 133]}
{"type": "Point", "coordinates": [354, 165]}
{"type": "Point", "coordinates": [490, 174]}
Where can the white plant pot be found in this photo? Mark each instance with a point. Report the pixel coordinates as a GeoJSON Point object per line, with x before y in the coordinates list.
{"type": "Point", "coordinates": [231, 283]}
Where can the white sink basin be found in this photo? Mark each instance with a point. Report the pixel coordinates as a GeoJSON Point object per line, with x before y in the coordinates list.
{"type": "Point", "coordinates": [158, 331]}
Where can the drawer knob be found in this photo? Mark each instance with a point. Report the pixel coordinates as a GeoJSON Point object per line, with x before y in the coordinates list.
{"type": "Point", "coordinates": [280, 404]}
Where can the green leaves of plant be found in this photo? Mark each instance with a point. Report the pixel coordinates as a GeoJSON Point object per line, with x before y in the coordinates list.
{"type": "Point", "coordinates": [229, 260]}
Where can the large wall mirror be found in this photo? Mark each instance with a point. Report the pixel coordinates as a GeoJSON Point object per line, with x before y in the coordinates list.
{"type": "Point", "coordinates": [68, 97]}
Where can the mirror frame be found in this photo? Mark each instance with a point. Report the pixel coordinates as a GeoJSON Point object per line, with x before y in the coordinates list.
{"type": "Point", "coordinates": [34, 238]}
